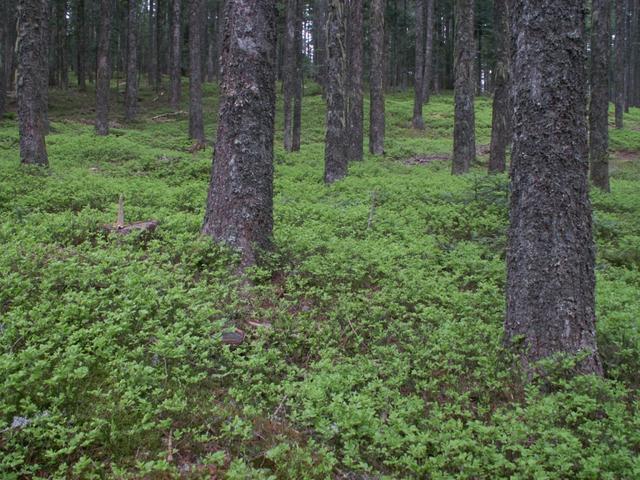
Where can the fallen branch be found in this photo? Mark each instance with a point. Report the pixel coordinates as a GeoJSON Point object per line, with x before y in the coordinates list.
{"type": "Point", "coordinates": [170, 114]}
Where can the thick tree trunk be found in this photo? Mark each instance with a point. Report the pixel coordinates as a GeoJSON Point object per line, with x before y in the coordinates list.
{"type": "Point", "coordinates": [464, 140]}
{"type": "Point", "coordinates": [103, 75]}
{"type": "Point", "coordinates": [427, 77]}
{"type": "Point", "coordinates": [619, 66]}
{"type": "Point", "coordinates": [418, 121]}
{"type": "Point", "coordinates": [131, 92]}
{"type": "Point", "coordinates": [376, 111]}
{"type": "Point", "coordinates": [81, 45]}
{"type": "Point", "coordinates": [289, 72]}
{"type": "Point", "coordinates": [502, 111]}
{"type": "Point", "coordinates": [335, 150]}
{"type": "Point", "coordinates": [355, 105]}
{"type": "Point", "coordinates": [550, 255]}
{"type": "Point", "coordinates": [599, 108]}
{"type": "Point", "coordinates": [240, 201]}
{"type": "Point", "coordinates": [176, 54]}
{"type": "Point", "coordinates": [31, 21]}
{"type": "Point", "coordinates": [196, 26]}
{"type": "Point", "coordinates": [299, 78]}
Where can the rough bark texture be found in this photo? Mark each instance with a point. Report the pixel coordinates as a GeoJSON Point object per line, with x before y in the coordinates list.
{"type": "Point", "coordinates": [550, 255]}
{"type": "Point", "coordinates": [376, 111]}
{"type": "Point", "coordinates": [335, 150]}
{"type": "Point", "coordinates": [299, 79]}
{"type": "Point", "coordinates": [320, 41]}
{"type": "Point", "coordinates": [240, 201]}
{"type": "Point", "coordinates": [176, 54]}
{"type": "Point", "coordinates": [289, 72]}
{"type": "Point", "coordinates": [196, 29]}
{"type": "Point", "coordinates": [81, 45]}
{"type": "Point", "coordinates": [7, 46]}
{"type": "Point", "coordinates": [599, 107]}
{"type": "Point", "coordinates": [428, 52]}
{"type": "Point", "coordinates": [31, 22]}
{"type": "Point", "coordinates": [355, 108]}
{"type": "Point", "coordinates": [418, 121]}
{"type": "Point", "coordinates": [131, 92]}
{"type": "Point", "coordinates": [103, 75]}
{"type": "Point", "coordinates": [619, 66]}
{"type": "Point", "coordinates": [464, 141]}
{"type": "Point", "coordinates": [502, 111]}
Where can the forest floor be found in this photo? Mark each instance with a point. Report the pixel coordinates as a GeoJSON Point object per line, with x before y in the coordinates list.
{"type": "Point", "coordinates": [373, 331]}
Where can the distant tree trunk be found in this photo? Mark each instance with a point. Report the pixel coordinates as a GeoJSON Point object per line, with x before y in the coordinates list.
{"type": "Point", "coordinates": [355, 105]}
{"type": "Point", "coordinates": [7, 44]}
{"type": "Point", "coordinates": [464, 141]}
{"type": "Point", "coordinates": [502, 111]}
{"type": "Point", "coordinates": [427, 77]}
{"type": "Point", "coordinates": [212, 46]}
{"type": "Point", "coordinates": [599, 109]}
{"type": "Point", "coordinates": [81, 45]}
{"type": "Point", "coordinates": [43, 89]}
{"type": "Point", "coordinates": [376, 112]}
{"type": "Point", "coordinates": [176, 54]}
{"type": "Point", "coordinates": [320, 41]}
{"type": "Point", "coordinates": [240, 201]}
{"type": "Point", "coordinates": [158, 33]}
{"type": "Point", "coordinates": [335, 150]}
{"type": "Point", "coordinates": [619, 66]}
{"type": "Point", "coordinates": [289, 72]}
{"type": "Point", "coordinates": [299, 78]}
{"type": "Point", "coordinates": [196, 26]}
{"type": "Point", "coordinates": [550, 254]}
{"type": "Point", "coordinates": [153, 45]}
{"type": "Point", "coordinates": [31, 22]}
{"type": "Point", "coordinates": [61, 43]}
{"type": "Point", "coordinates": [418, 121]}
{"type": "Point", "coordinates": [103, 75]}
{"type": "Point", "coordinates": [131, 93]}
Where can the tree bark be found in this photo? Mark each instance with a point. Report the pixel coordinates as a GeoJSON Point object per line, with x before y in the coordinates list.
{"type": "Point", "coordinates": [160, 44]}
{"type": "Point", "coordinates": [619, 67]}
{"type": "Point", "coordinates": [81, 45]}
{"type": "Point", "coordinates": [376, 111]}
{"type": "Point", "coordinates": [31, 21]}
{"type": "Point", "coordinates": [355, 106]}
{"type": "Point", "coordinates": [464, 142]}
{"type": "Point", "coordinates": [599, 107]}
{"type": "Point", "coordinates": [131, 92]}
{"type": "Point", "coordinates": [176, 54]}
{"type": "Point", "coordinates": [418, 121]}
{"type": "Point", "coordinates": [320, 41]}
{"type": "Point", "coordinates": [550, 254]}
{"type": "Point", "coordinates": [299, 78]}
{"type": "Point", "coordinates": [196, 26]}
{"type": "Point", "coordinates": [428, 52]}
{"type": "Point", "coordinates": [7, 44]}
{"type": "Point", "coordinates": [336, 151]}
{"type": "Point", "coordinates": [103, 75]}
{"type": "Point", "coordinates": [502, 111]}
{"type": "Point", "coordinates": [153, 45]}
{"type": "Point", "coordinates": [240, 201]}
{"type": "Point", "coordinates": [289, 72]}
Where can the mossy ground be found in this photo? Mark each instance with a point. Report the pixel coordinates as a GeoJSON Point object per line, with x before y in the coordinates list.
{"type": "Point", "coordinates": [373, 329]}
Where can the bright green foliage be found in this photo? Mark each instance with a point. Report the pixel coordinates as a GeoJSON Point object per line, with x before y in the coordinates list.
{"type": "Point", "coordinates": [373, 331]}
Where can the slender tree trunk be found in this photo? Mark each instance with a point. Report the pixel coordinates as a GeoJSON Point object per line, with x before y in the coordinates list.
{"type": "Point", "coordinates": [299, 78]}
{"type": "Point", "coordinates": [619, 66]}
{"type": "Point", "coordinates": [176, 54]}
{"type": "Point", "coordinates": [320, 50]}
{"type": "Point", "coordinates": [7, 44]}
{"type": "Point", "coordinates": [289, 72]}
{"type": "Point", "coordinates": [43, 91]}
{"type": "Point", "coordinates": [131, 93]}
{"type": "Point", "coordinates": [153, 45]}
{"type": "Point", "coordinates": [160, 44]}
{"type": "Point", "coordinates": [81, 46]}
{"type": "Point", "coordinates": [103, 75]}
{"type": "Point", "coordinates": [464, 142]}
{"type": "Point", "coordinates": [355, 107]}
{"type": "Point", "coordinates": [31, 22]}
{"type": "Point", "coordinates": [376, 111]}
{"type": "Point", "coordinates": [212, 46]}
{"type": "Point", "coordinates": [502, 111]}
{"type": "Point", "coordinates": [599, 108]}
{"type": "Point", "coordinates": [418, 121]}
{"type": "Point", "coordinates": [240, 201]}
{"type": "Point", "coordinates": [336, 151]}
{"type": "Point", "coordinates": [427, 77]}
{"type": "Point", "coordinates": [196, 27]}
{"type": "Point", "coordinates": [550, 255]}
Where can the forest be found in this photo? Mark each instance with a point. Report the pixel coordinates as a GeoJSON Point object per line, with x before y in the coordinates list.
{"type": "Point", "coordinates": [320, 239]}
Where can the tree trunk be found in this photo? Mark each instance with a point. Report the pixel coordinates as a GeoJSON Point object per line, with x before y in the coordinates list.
{"type": "Point", "coordinates": [427, 77]}
{"type": "Point", "coordinates": [464, 142]}
{"type": "Point", "coordinates": [289, 72]}
{"type": "Point", "coordinates": [81, 45]}
{"type": "Point", "coordinates": [418, 121]}
{"type": "Point", "coordinates": [31, 21]}
{"type": "Point", "coordinates": [131, 93]}
{"type": "Point", "coordinates": [335, 151]}
{"type": "Point", "coordinates": [550, 254]}
{"type": "Point", "coordinates": [153, 46]}
{"type": "Point", "coordinates": [176, 54]}
{"type": "Point", "coordinates": [619, 67]}
{"type": "Point", "coordinates": [376, 111]}
{"type": "Point", "coordinates": [240, 200]}
{"type": "Point", "coordinates": [599, 108]}
{"type": "Point", "coordinates": [355, 105]}
{"type": "Point", "coordinates": [502, 111]}
{"type": "Point", "coordinates": [299, 78]}
{"type": "Point", "coordinates": [160, 44]}
{"type": "Point", "coordinates": [103, 75]}
{"type": "Point", "coordinates": [320, 41]}
{"type": "Point", "coordinates": [196, 26]}
{"type": "Point", "coordinates": [7, 44]}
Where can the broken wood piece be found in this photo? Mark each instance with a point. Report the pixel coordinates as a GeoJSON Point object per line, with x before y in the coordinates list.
{"type": "Point", "coordinates": [169, 114]}
{"type": "Point", "coordinates": [122, 228]}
